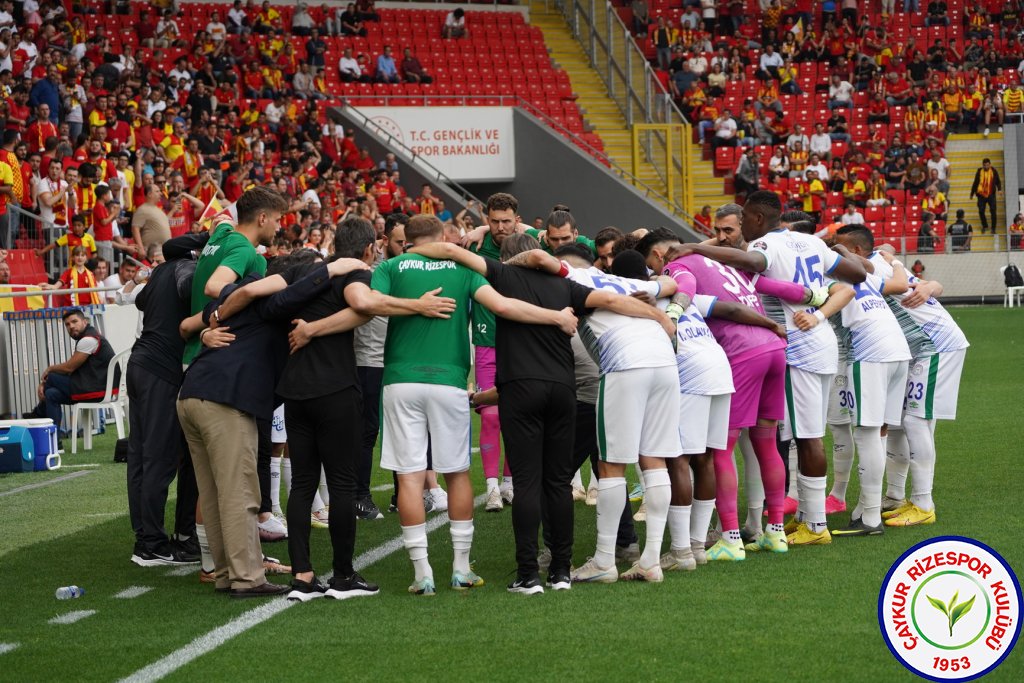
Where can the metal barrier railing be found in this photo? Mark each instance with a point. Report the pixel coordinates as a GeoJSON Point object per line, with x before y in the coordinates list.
{"type": "Point", "coordinates": [634, 86]}
{"type": "Point", "coordinates": [32, 229]}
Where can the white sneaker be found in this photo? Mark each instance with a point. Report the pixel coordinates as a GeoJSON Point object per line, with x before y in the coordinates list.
{"type": "Point", "coordinates": [641, 513]}
{"type": "Point", "coordinates": [679, 560]}
{"type": "Point", "coordinates": [319, 519]}
{"type": "Point", "coordinates": [699, 554]}
{"type": "Point", "coordinates": [986, 131]}
{"type": "Point", "coordinates": [493, 503]}
{"type": "Point", "coordinates": [591, 496]}
{"type": "Point", "coordinates": [507, 494]}
{"type": "Point", "coordinates": [273, 527]}
{"type": "Point", "coordinates": [440, 498]}
{"type": "Point", "coordinates": [591, 573]}
{"type": "Point", "coordinates": [638, 573]}
{"type": "Point", "coordinates": [578, 493]}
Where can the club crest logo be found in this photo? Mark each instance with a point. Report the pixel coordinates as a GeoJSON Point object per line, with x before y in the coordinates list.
{"type": "Point", "coordinates": [949, 609]}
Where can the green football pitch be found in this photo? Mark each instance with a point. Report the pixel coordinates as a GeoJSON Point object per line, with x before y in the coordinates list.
{"type": "Point", "coordinates": [809, 615]}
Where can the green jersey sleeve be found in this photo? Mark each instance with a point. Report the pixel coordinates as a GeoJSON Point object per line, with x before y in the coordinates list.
{"type": "Point", "coordinates": [381, 280]}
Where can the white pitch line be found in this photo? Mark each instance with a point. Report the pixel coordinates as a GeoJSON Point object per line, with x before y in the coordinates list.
{"type": "Point", "coordinates": [182, 571]}
{"type": "Point", "coordinates": [106, 514]}
{"type": "Point", "coordinates": [7, 647]}
{"type": "Point", "coordinates": [72, 617]}
{"type": "Point", "coordinates": [132, 592]}
{"type": "Point", "coordinates": [383, 487]}
{"type": "Point", "coordinates": [79, 467]}
{"type": "Point", "coordinates": [41, 484]}
{"type": "Point", "coordinates": [254, 617]}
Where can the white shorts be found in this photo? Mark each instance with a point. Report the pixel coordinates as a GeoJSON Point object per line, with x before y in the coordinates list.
{"type": "Point", "coordinates": [840, 398]}
{"type": "Point", "coordinates": [278, 433]}
{"type": "Point", "coordinates": [807, 396]}
{"type": "Point", "coordinates": [638, 413]}
{"type": "Point", "coordinates": [414, 415]}
{"type": "Point", "coordinates": [703, 422]}
{"type": "Point", "coordinates": [878, 390]}
{"type": "Point", "coordinates": [933, 385]}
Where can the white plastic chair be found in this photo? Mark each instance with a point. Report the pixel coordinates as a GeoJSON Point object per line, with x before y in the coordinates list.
{"type": "Point", "coordinates": [1013, 295]}
{"type": "Point", "coordinates": [119, 404]}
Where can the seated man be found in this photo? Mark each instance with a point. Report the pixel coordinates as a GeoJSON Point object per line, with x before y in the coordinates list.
{"type": "Point", "coordinates": [82, 377]}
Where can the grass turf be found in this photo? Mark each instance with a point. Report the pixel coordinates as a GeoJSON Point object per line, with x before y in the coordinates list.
{"type": "Point", "coordinates": [808, 615]}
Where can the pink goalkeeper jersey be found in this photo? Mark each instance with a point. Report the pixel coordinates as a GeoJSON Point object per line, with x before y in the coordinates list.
{"type": "Point", "coordinates": [695, 274]}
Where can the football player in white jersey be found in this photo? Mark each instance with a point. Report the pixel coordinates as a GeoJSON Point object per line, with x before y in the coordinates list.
{"type": "Point", "coordinates": [933, 386]}
{"type": "Point", "coordinates": [811, 356]}
{"type": "Point", "coordinates": [876, 374]}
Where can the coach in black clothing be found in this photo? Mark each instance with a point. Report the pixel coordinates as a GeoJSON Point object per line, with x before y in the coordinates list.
{"type": "Point", "coordinates": [224, 391]}
{"type": "Point", "coordinates": [156, 446]}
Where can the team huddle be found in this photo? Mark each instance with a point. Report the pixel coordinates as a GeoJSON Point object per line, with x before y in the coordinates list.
{"type": "Point", "coordinates": [665, 355]}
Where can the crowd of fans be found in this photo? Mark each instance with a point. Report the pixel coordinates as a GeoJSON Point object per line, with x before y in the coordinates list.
{"type": "Point", "coordinates": [840, 106]}
{"type": "Point", "coordinates": [117, 152]}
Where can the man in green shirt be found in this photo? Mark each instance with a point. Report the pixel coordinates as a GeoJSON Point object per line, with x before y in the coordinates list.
{"type": "Point", "coordinates": [230, 255]}
{"type": "Point", "coordinates": [426, 365]}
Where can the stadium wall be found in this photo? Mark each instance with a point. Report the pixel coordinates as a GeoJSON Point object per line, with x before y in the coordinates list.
{"type": "Point", "coordinates": [968, 278]}
{"type": "Point", "coordinates": [551, 170]}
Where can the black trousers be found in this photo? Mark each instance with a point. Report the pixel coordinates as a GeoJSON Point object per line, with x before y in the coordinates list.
{"type": "Point", "coordinates": [585, 448]}
{"type": "Point", "coordinates": [989, 202]}
{"type": "Point", "coordinates": [264, 450]}
{"type": "Point", "coordinates": [538, 422]}
{"type": "Point", "coordinates": [370, 380]}
{"type": "Point", "coordinates": [324, 432]}
{"type": "Point", "coordinates": [156, 453]}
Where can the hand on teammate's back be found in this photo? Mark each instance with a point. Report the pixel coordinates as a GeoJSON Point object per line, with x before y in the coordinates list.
{"type": "Point", "coordinates": [645, 297]}
{"type": "Point", "coordinates": [436, 306]}
{"type": "Point", "coordinates": [567, 321]}
{"type": "Point", "coordinates": [299, 336]}
{"type": "Point", "coordinates": [344, 266]}
{"type": "Point", "coordinates": [678, 251]}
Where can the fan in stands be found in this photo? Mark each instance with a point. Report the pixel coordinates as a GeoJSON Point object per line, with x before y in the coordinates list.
{"type": "Point", "coordinates": [242, 91]}
{"type": "Point", "coordinates": [871, 74]}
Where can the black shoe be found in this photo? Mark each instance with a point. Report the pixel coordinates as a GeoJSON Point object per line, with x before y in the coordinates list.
{"type": "Point", "coordinates": [354, 586]}
{"type": "Point", "coordinates": [559, 581]}
{"type": "Point", "coordinates": [366, 509]}
{"type": "Point", "coordinates": [187, 552]}
{"type": "Point", "coordinates": [189, 544]}
{"type": "Point", "coordinates": [527, 586]}
{"type": "Point", "coordinates": [165, 556]}
{"type": "Point", "coordinates": [858, 528]}
{"type": "Point", "coordinates": [264, 590]}
{"type": "Point", "coordinates": [393, 505]}
{"type": "Point", "coordinates": [304, 591]}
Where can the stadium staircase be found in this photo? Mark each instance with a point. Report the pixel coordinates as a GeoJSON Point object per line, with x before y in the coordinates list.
{"type": "Point", "coordinates": [599, 110]}
{"type": "Point", "coordinates": [707, 187]}
{"type": "Point", "coordinates": [965, 153]}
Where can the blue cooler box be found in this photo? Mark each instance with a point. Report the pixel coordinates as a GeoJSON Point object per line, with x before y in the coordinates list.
{"type": "Point", "coordinates": [44, 438]}
{"type": "Point", "coordinates": [17, 450]}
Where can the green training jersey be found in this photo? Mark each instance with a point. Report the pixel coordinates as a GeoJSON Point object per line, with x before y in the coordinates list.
{"type": "Point", "coordinates": [483, 320]}
{"type": "Point", "coordinates": [427, 350]}
{"type": "Point", "coordinates": [226, 247]}
{"type": "Point", "coordinates": [580, 239]}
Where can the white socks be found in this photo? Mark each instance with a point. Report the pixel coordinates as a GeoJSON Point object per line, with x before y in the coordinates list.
{"type": "Point", "coordinates": [275, 484]}
{"type": "Point", "coordinates": [206, 558]}
{"type": "Point", "coordinates": [794, 469]}
{"type": "Point", "coordinates": [871, 465]}
{"type": "Point", "coordinates": [324, 495]}
{"type": "Point", "coordinates": [897, 463]}
{"type": "Point", "coordinates": [812, 500]}
{"type": "Point", "coordinates": [679, 526]}
{"type": "Point", "coordinates": [842, 458]}
{"type": "Point", "coordinates": [286, 474]}
{"type": "Point", "coordinates": [611, 498]}
{"type": "Point", "coordinates": [753, 487]}
{"type": "Point", "coordinates": [462, 541]}
{"type": "Point", "coordinates": [492, 483]}
{"type": "Point", "coordinates": [657, 496]}
{"type": "Point", "coordinates": [415, 540]}
{"type": "Point", "coordinates": [700, 519]}
{"type": "Point", "coordinates": [506, 483]}
{"type": "Point", "coordinates": [921, 436]}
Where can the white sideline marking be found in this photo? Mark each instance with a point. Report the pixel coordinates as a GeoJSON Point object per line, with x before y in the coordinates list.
{"type": "Point", "coordinates": [41, 484]}
{"type": "Point", "coordinates": [254, 617]}
{"type": "Point", "coordinates": [383, 487]}
{"type": "Point", "coordinates": [133, 592]}
{"type": "Point", "coordinates": [106, 514]}
{"type": "Point", "coordinates": [72, 617]}
{"type": "Point", "coordinates": [182, 571]}
{"type": "Point", "coordinates": [79, 467]}
{"type": "Point", "coordinates": [7, 647]}
{"type": "Point", "coordinates": [474, 450]}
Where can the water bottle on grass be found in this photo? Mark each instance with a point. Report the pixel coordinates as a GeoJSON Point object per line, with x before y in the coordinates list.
{"type": "Point", "coordinates": [69, 592]}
